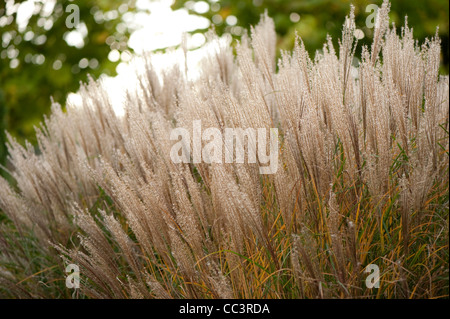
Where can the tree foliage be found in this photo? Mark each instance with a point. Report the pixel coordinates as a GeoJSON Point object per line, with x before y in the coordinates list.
{"type": "Point", "coordinates": [39, 61]}
{"type": "Point", "coordinates": [314, 19]}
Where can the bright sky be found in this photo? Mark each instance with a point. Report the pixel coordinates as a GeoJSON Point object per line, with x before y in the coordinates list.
{"type": "Point", "coordinates": [163, 27]}
{"type": "Point", "coordinates": [155, 26]}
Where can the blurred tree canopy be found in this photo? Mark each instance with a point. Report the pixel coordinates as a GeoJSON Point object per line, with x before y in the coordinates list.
{"type": "Point", "coordinates": [314, 19]}
{"type": "Point", "coordinates": [41, 56]}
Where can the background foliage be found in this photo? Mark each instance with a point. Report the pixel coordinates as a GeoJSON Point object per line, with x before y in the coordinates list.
{"type": "Point", "coordinates": [37, 63]}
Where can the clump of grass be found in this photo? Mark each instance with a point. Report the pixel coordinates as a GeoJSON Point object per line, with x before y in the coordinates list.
{"type": "Point", "coordinates": [362, 179]}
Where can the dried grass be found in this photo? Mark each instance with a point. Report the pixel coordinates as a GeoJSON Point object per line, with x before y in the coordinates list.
{"type": "Point", "coordinates": [362, 179]}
